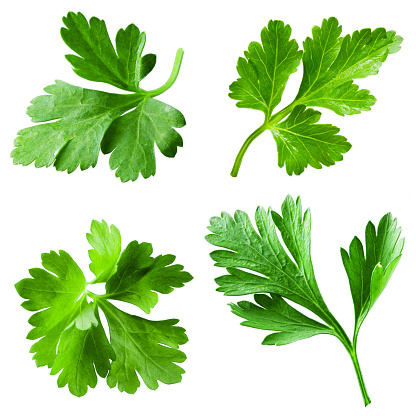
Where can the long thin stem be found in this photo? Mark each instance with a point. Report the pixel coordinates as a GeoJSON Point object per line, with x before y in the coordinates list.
{"type": "Point", "coordinates": [268, 123]}
{"type": "Point", "coordinates": [174, 74]}
{"type": "Point", "coordinates": [364, 393]}
{"type": "Point", "coordinates": [244, 147]}
{"type": "Point", "coordinates": [352, 351]}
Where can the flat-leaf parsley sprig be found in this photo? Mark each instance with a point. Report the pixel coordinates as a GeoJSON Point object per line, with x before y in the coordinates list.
{"type": "Point", "coordinates": [331, 63]}
{"type": "Point", "coordinates": [84, 121]}
{"type": "Point", "coordinates": [70, 336]}
{"type": "Point", "coordinates": [285, 271]}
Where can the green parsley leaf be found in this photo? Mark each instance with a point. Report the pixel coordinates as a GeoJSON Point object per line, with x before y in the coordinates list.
{"type": "Point", "coordinates": [83, 352]}
{"type": "Point", "coordinates": [275, 314]}
{"type": "Point", "coordinates": [368, 275]}
{"type": "Point", "coordinates": [139, 276]}
{"type": "Point", "coordinates": [330, 65]}
{"type": "Point", "coordinates": [56, 296]}
{"type": "Point", "coordinates": [131, 138]}
{"type": "Point", "coordinates": [83, 121]}
{"type": "Point", "coordinates": [329, 71]}
{"type": "Point", "coordinates": [98, 61]}
{"type": "Point", "coordinates": [74, 140]}
{"type": "Point", "coordinates": [260, 252]}
{"type": "Point", "coordinates": [277, 277]}
{"type": "Point", "coordinates": [147, 347]}
{"type": "Point", "coordinates": [72, 340]}
{"type": "Point", "coordinates": [266, 68]}
{"type": "Point", "coordinates": [302, 142]}
{"type": "Point", "coordinates": [106, 243]}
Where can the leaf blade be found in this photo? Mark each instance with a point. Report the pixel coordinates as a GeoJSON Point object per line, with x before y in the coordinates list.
{"type": "Point", "coordinates": [131, 138]}
{"type": "Point", "coordinates": [147, 347]}
{"type": "Point", "coordinates": [139, 276]}
{"type": "Point", "coordinates": [273, 313]}
{"type": "Point", "coordinates": [266, 68]}
{"type": "Point", "coordinates": [302, 142]}
{"type": "Point", "coordinates": [330, 84]}
{"type": "Point", "coordinates": [261, 253]}
{"type": "Point", "coordinates": [106, 244]}
{"type": "Point", "coordinates": [81, 118]}
{"type": "Point", "coordinates": [369, 273]}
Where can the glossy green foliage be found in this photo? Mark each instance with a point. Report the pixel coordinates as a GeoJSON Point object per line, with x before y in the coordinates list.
{"type": "Point", "coordinates": [81, 121]}
{"type": "Point", "coordinates": [70, 337]}
{"type": "Point", "coordinates": [369, 273]}
{"type": "Point", "coordinates": [331, 63]}
{"type": "Point", "coordinates": [273, 313]}
{"type": "Point", "coordinates": [301, 141]}
{"type": "Point", "coordinates": [265, 68]}
{"type": "Point", "coordinates": [277, 269]}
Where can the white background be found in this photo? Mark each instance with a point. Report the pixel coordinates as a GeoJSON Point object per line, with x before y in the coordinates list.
{"type": "Point", "coordinates": [228, 371]}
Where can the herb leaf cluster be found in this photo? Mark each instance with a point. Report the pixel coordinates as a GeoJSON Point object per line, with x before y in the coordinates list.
{"type": "Point", "coordinates": [71, 339]}
{"type": "Point", "coordinates": [258, 263]}
{"type": "Point", "coordinates": [331, 63]}
{"type": "Point", "coordinates": [78, 122]}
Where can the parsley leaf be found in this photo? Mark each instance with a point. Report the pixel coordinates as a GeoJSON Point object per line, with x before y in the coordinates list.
{"type": "Point", "coordinates": [139, 276]}
{"type": "Point", "coordinates": [148, 347]}
{"type": "Point", "coordinates": [83, 121]}
{"type": "Point", "coordinates": [131, 138]}
{"type": "Point", "coordinates": [82, 354]}
{"type": "Point", "coordinates": [331, 63]}
{"type": "Point", "coordinates": [368, 275]}
{"type": "Point", "coordinates": [106, 243]}
{"type": "Point", "coordinates": [273, 313]}
{"type": "Point", "coordinates": [277, 277]}
{"type": "Point", "coordinates": [301, 141]}
{"type": "Point", "coordinates": [71, 338]}
{"type": "Point", "coordinates": [265, 70]}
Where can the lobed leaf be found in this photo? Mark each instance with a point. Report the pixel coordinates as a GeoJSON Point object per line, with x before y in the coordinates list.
{"type": "Point", "coordinates": [301, 141]}
{"type": "Point", "coordinates": [139, 276]}
{"type": "Point", "coordinates": [261, 253]}
{"type": "Point", "coordinates": [131, 138]}
{"type": "Point", "coordinates": [82, 115]}
{"type": "Point", "coordinates": [369, 273]}
{"type": "Point", "coordinates": [273, 313]}
{"type": "Point", "coordinates": [331, 63]}
{"type": "Point", "coordinates": [106, 243]}
{"type": "Point", "coordinates": [56, 297]}
{"type": "Point", "coordinates": [149, 348]}
{"type": "Point", "coordinates": [98, 60]}
{"type": "Point", "coordinates": [266, 68]}
{"type": "Point", "coordinates": [82, 353]}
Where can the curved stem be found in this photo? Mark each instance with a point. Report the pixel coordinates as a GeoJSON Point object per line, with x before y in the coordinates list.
{"type": "Point", "coordinates": [240, 155]}
{"type": "Point", "coordinates": [268, 123]}
{"type": "Point", "coordinates": [174, 74]}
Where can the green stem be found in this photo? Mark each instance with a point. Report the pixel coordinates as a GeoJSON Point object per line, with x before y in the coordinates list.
{"type": "Point", "coordinates": [240, 155]}
{"type": "Point", "coordinates": [174, 74]}
{"type": "Point", "coordinates": [268, 123]}
{"type": "Point", "coordinates": [352, 351]}
{"type": "Point", "coordinates": [95, 297]}
{"type": "Point", "coordinates": [366, 398]}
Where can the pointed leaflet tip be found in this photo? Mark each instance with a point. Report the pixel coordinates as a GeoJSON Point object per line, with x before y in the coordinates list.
{"type": "Point", "coordinates": [106, 244]}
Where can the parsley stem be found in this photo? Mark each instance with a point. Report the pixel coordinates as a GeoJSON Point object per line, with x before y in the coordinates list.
{"type": "Point", "coordinates": [268, 123]}
{"type": "Point", "coordinates": [174, 74]}
{"type": "Point", "coordinates": [352, 351]}
{"type": "Point", "coordinates": [353, 355]}
{"type": "Point", "coordinates": [244, 147]}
